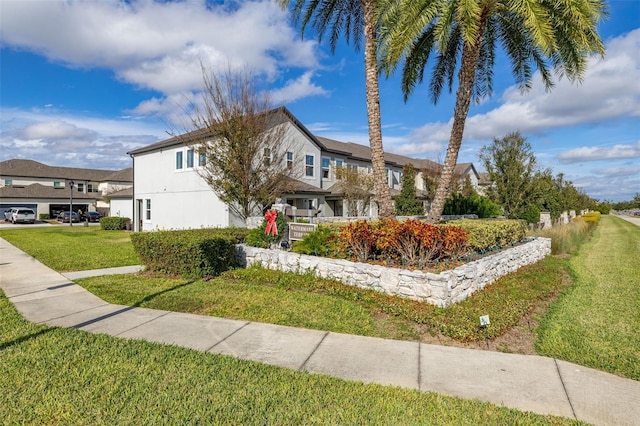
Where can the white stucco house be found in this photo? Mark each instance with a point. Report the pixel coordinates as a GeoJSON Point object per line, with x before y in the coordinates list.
{"type": "Point", "coordinates": [169, 193]}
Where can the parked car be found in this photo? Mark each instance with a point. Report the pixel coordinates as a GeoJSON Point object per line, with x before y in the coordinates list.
{"type": "Point", "coordinates": [90, 216]}
{"type": "Point", "coordinates": [64, 217]}
{"type": "Point", "coordinates": [7, 213]}
{"type": "Point", "coordinates": [22, 215]}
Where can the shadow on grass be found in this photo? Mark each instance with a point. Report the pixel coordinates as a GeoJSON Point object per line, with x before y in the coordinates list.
{"type": "Point", "coordinates": [154, 295]}
{"type": "Point", "coordinates": [25, 338]}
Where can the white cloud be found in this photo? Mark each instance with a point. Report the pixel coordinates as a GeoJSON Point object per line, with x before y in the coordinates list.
{"type": "Point", "coordinates": [158, 45]}
{"type": "Point", "coordinates": [592, 153]}
{"type": "Point", "coordinates": [56, 130]}
{"type": "Point", "coordinates": [296, 89]}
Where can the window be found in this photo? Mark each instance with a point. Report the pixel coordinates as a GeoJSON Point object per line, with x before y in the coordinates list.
{"type": "Point", "coordinates": [326, 163]}
{"type": "Point", "coordinates": [353, 167]}
{"type": "Point", "coordinates": [339, 163]}
{"type": "Point", "coordinates": [178, 160]}
{"type": "Point", "coordinates": [148, 210]}
{"type": "Point", "coordinates": [190, 158]}
{"type": "Point", "coordinates": [289, 160]}
{"type": "Point", "coordinates": [92, 187]}
{"type": "Point", "coordinates": [266, 156]}
{"type": "Point", "coordinates": [8, 182]}
{"type": "Point", "coordinates": [309, 163]}
{"type": "Point", "coordinates": [57, 185]}
{"type": "Point", "coordinates": [389, 177]}
{"type": "Point", "coordinates": [81, 187]}
{"type": "Point", "coordinates": [202, 160]}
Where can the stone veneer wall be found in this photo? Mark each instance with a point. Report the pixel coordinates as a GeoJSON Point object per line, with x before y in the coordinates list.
{"type": "Point", "coordinates": [443, 289]}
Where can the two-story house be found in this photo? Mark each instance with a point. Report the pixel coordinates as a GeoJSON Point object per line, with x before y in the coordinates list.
{"type": "Point", "coordinates": [169, 193]}
{"type": "Point", "coordinates": [49, 189]}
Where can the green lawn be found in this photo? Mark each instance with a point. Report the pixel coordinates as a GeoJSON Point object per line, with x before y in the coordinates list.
{"type": "Point", "coordinates": [76, 248]}
{"type": "Point", "coordinates": [596, 322]}
{"type": "Point", "coordinates": [66, 376]}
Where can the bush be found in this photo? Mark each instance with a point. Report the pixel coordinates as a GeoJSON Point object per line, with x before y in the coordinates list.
{"type": "Point", "coordinates": [491, 233]}
{"type": "Point", "coordinates": [532, 214]}
{"type": "Point", "coordinates": [320, 241]}
{"type": "Point", "coordinates": [44, 216]}
{"type": "Point", "coordinates": [187, 253]}
{"type": "Point", "coordinates": [457, 204]}
{"type": "Point", "coordinates": [114, 223]}
{"type": "Point", "coordinates": [257, 238]}
{"type": "Point", "coordinates": [591, 217]}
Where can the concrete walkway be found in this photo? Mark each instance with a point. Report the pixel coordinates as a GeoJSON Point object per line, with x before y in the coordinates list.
{"type": "Point", "coordinates": [528, 383]}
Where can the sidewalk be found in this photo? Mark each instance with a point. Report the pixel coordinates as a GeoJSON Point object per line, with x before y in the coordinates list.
{"type": "Point", "coordinates": [528, 383]}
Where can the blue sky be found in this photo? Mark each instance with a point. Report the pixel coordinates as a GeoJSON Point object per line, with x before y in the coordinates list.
{"type": "Point", "coordinates": [83, 82]}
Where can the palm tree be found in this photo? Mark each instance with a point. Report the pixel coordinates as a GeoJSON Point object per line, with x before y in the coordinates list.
{"type": "Point", "coordinates": [550, 35]}
{"type": "Point", "coordinates": [353, 18]}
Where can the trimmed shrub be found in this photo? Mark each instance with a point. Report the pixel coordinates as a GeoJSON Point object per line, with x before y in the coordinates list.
{"type": "Point", "coordinates": [257, 238]}
{"type": "Point", "coordinates": [43, 216]}
{"type": "Point", "coordinates": [114, 223]}
{"type": "Point", "coordinates": [318, 242]}
{"type": "Point", "coordinates": [492, 233]}
{"type": "Point", "coordinates": [187, 253]}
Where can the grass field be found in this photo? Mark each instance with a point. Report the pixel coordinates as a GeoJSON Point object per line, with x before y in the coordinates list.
{"type": "Point", "coordinates": [69, 377]}
{"type": "Point", "coordinates": [74, 248]}
{"type": "Point", "coordinates": [596, 322]}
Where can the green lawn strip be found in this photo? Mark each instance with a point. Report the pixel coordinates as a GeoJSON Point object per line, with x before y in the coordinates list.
{"type": "Point", "coordinates": [65, 376]}
{"type": "Point", "coordinates": [596, 323]}
{"type": "Point", "coordinates": [295, 300]}
{"type": "Point", "coordinates": [75, 248]}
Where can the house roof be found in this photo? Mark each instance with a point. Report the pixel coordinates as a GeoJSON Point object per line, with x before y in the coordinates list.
{"type": "Point", "coordinates": [37, 190]}
{"type": "Point", "coordinates": [124, 193]}
{"type": "Point", "coordinates": [277, 116]}
{"type": "Point", "coordinates": [348, 149]}
{"type": "Point", "coordinates": [34, 169]}
{"type": "Point", "coordinates": [294, 186]}
{"type": "Point", "coordinates": [124, 175]}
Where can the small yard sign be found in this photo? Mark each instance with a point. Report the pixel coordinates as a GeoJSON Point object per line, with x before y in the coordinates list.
{"type": "Point", "coordinates": [484, 321]}
{"type": "Point", "coordinates": [298, 230]}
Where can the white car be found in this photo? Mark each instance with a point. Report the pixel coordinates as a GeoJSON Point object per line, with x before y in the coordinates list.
{"type": "Point", "coordinates": [22, 215]}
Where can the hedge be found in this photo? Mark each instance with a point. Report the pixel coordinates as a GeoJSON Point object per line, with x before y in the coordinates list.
{"type": "Point", "coordinates": [486, 234]}
{"type": "Point", "coordinates": [188, 253]}
{"type": "Point", "coordinates": [114, 223]}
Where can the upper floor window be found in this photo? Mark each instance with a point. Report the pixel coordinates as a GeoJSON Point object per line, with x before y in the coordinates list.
{"type": "Point", "coordinates": [178, 160]}
{"type": "Point", "coordinates": [339, 163]}
{"type": "Point", "coordinates": [309, 161]}
{"type": "Point", "coordinates": [92, 187]}
{"type": "Point", "coordinates": [81, 187]}
{"type": "Point", "coordinates": [57, 184]}
{"type": "Point", "coordinates": [202, 159]}
{"type": "Point", "coordinates": [8, 182]}
{"type": "Point", "coordinates": [326, 163]}
{"type": "Point", "coordinates": [289, 160]}
{"type": "Point", "coordinates": [190, 158]}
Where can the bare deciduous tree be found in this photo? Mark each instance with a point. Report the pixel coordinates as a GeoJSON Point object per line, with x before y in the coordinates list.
{"type": "Point", "coordinates": [241, 142]}
{"type": "Point", "coordinates": [357, 187]}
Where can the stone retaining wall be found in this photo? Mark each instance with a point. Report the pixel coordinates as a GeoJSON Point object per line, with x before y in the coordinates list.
{"type": "Point", "coordinates": [443, 289]}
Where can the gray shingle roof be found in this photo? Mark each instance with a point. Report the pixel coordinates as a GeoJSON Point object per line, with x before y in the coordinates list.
{"type": "Point", "coordinates": [31, 168]}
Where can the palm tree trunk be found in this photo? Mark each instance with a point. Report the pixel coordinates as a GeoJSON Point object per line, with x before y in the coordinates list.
{"type": "Point", "coordinates": [383, 195]}
{"type": "Point", "coordinates": [466, 80]}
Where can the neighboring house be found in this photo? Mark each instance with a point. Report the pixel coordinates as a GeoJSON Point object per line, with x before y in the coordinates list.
{"type": "Point", "coordinates": [121, 203]}
{"type": "Point", "coordinates": [47, 189]}
{"type": "Point", "coordinates": [169, 193]}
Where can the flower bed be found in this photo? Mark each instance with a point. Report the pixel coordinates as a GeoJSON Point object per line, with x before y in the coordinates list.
{"type": "Point", "coordinates": [442, 289]}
